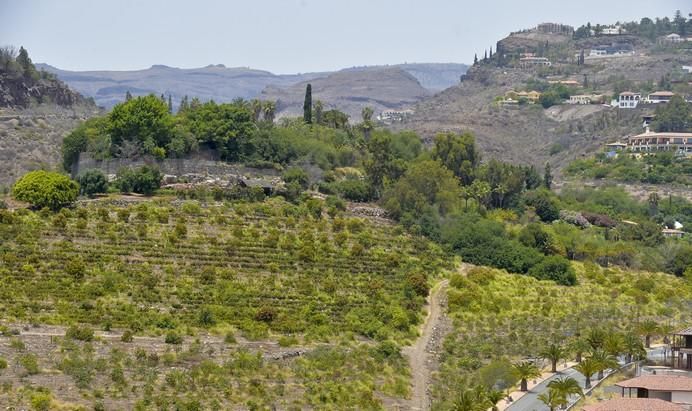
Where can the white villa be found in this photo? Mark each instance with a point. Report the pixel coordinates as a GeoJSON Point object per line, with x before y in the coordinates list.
{"type": "Point", "coordinates": [659, 97]}
{"type": "Point", "coordinates": [613, 30]}
{"type": "Point", "coordinates": [628, 99]}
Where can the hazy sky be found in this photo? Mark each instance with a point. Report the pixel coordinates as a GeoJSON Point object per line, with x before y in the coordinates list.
{"type": "Point", "coordinates": [286, 36]}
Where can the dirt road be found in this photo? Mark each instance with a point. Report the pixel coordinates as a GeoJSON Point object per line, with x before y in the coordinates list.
{"type": "Point", "coordinates": [421, 353]}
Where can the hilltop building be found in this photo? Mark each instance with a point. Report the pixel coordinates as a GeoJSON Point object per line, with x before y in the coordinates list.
{"type": "Point", "coordinates": [628, 99]}
{"type": "Point", "coordinates": [555, 28]}
{"type": "Point", "coordinates": [532, 96]}
{"type": "Point", "coordinates": [568, 83]}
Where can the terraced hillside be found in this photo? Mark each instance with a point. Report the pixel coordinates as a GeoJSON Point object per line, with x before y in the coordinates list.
{"type": "Point", "coordinates": [198, 283]}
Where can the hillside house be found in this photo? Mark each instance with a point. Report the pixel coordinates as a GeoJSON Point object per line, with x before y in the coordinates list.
{"type": "Point", "coordinates": [568, 83]}
{"type": "Point", "coordinates": [615, 49]}
{"type": "Point", "coordinates": [630, 404]}
{"type": "Point", "coordinates": [682, 349]}
{"type": "Point", "coordinates": [585, 99]}
{"type": "Point", "coordinates": [672, 38]}
{"type": "Point", "coordinates": [659, 97]}
{"type": "Point", "coordinates": [673, 233]}
{"type": "Point", "coordinates": [613, 30]}
{"type": "Point", "coordinates": [532, 96]}
{"type": "Point", "coordinates": [394, 115]}
{"type": "Point", "coordinates": [527, 62]}
{"type": "Point", "coordinates": [615, 147]}
{"type": "Point", "coordinates": [665, 141]}
{"type": "Point", "coordinates": [671, 388]}
{"type": "Point", "coordinates": [628, 99]}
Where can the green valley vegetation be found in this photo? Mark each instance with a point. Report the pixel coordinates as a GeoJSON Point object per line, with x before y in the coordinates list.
{"type": "Point", "coordinates": [658, 168]}
{"type": "Point", "coordinates": [501, 321]}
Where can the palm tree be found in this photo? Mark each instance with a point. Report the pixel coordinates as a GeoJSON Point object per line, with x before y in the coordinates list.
{"type": "Point", "coordinates": [595, 338]}
{"type": "Point", "coordinates": [553, 399]}
{"type": "Point", "coordinates": [471, 399]}
{"type": "Point", "coordinates": [587, 368]}
{"type": "Point", "coordinates": [613, 344]}
{"type": "Point", "coordinates": [524, 371]}
{"type": "Point", "coordinates": [604, 361]}
{"type": "Point", "coordinates": [632, 347]}
{"type": "Point", "coordinates": [494, 396]}
{"type": "Point", "coordinates": [554, 353]}
{"type": "Point", "coordinates": [579, 346]}
{"type": "Point", "coordinates": [566, 386]}
{"type": "Point", "coordinates": [648, 329]}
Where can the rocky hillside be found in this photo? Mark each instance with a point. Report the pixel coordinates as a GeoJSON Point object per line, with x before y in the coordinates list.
{"type": "Point", "coordinates": [352, 90]}
{"type": "Point", "coordinates": [220, 83]}
{"type": "Point", "coordinates": [36, 112]}
{"type": "Point", "coordinates": [531, 133]}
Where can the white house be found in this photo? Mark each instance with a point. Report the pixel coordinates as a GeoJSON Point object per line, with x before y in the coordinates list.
{"type": "Point", "coordinates": [628, 99]}
{"type": "Point", "coordinates": [659, 97]}
{"type": "Point", "coordinates": [673, 38]}
{"type": "Point", "coordinates": [613, 30]}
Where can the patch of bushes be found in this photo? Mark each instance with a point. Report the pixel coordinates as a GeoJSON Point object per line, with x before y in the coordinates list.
{"type": "Point", "coordinates": [46, 189]}
{"type": "Point", "coordinates": [143, 180]}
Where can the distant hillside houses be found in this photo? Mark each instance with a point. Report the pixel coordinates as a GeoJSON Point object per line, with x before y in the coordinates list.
{"type": "Point", "coordinates": [585, 99]}
{"type": "Point", "coordinates": [673, 38]}
{"type": "Point", "coordinates": [613, 30]}
{"type": "Point", "coordinates": [394, 115]}
{"type": "Point", "coordinates": [615, 49]}
{"type": "Point", "coordinates": [527, 62]}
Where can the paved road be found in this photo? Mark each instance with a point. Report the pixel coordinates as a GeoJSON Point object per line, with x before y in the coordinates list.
{"type": "Point", "coordinates": [530, 401]}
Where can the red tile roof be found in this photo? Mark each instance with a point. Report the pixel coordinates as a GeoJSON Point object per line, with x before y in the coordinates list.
{"type": "Point", "coordinates": [659, 383]}
{"type": "Point", "coordinates": [686, 331]}
{"type": "Point", "coordinates": [634, 404]}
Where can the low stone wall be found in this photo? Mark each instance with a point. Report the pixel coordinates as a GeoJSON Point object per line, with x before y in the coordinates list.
{"type": "Point", "coordinates": [198, 167]}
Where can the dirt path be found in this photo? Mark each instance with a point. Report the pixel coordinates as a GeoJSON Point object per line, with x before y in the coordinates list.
{"type": "Point", "coordinates": [421, 353]}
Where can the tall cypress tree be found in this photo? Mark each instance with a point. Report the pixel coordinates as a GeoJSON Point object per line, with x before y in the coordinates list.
{"type": "Point", "coordinates": [307, 105]}
{"type": "Point", "coordinates": [170, 104]}
{"type": "Point", "coordinates": [475, 59]}
{"type": "Point", "coordinates": [491, 52]}
{"type": "Point", "coordinates": [128, 95]}
{"type": "Point", "coordinates": [547, 177]}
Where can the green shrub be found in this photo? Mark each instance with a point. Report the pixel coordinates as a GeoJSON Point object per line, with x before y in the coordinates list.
{"type": "Point", "coordinates": [173, 338]}
{"type": "Point", "coordinates": [554, 268]}
{"type": "Point", "coordinates": [30, 364]}
{"type": "Point", "coordinates": [81, 333]}
{"type": "Point", "coordinates": [298, 175]}
{"type": "Point", "coordinates": [92, 182]}
{"type": "Point", "coordinates": [41, 401]}
{"type": "Point", "coordinates": [3, 363]}
{"type": "Point", "coordinates": [127, 336]}
{"type": "Point", "coordinates": [142, 180]}
{"type": "Point", "coordinates": [46, 189]}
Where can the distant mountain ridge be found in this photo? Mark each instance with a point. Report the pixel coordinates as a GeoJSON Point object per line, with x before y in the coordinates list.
{"type": "Point", "coordinates": [222, 83]}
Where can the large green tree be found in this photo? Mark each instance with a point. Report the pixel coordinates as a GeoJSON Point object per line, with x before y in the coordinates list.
{"type": "Point", "coordinates": [142, 121]}
{"type": "Point", "coordinates": [675, 115]}
{"type": "Point", "coordinates": [457, 152]}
